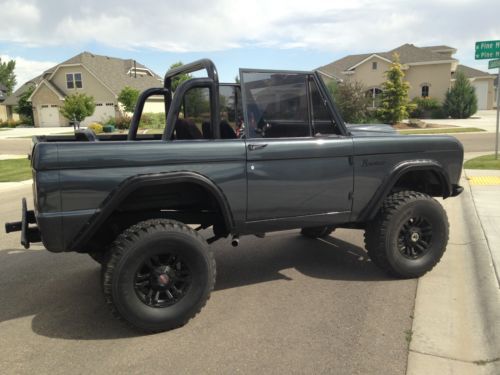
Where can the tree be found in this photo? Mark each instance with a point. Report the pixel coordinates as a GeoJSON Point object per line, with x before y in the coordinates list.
{"type": "Point", "coordinates": [351, 100]}
{"type": "Point", "coordinates": [461, 99]}
{"type": "Point", "coordinates": [24, 107]}
{"type": "Point", "coordinates": [394, 98]}
{"type": "Point", "coordinates": [236, 79]}
{"type": "Point", "coordinates": [180, 78]}
{"type": "Point", "coordinates": [7, 75]}
{"type": "Point", "coordinates": [78, 107]}
{"type": "Point", "coordinates": [128, 97]}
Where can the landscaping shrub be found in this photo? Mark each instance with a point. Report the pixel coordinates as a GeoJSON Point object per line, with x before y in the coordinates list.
{"type": "Point", "coordinates": [350, 98]}
{"type": "Point", "coordinates": [95, 127]}
{"type": "Point", "coordinates": [151, 120]}
{"type": "Point", "coordinates": [122, 122]}
{"type": "Point", "coordinates": [10, 123]}
{"type": "Point", "coordinates": [108, 128]}
{"type": "Point", "coordinates": [424, 107]}
{"type": "Point", "coordinates": [461, 99]}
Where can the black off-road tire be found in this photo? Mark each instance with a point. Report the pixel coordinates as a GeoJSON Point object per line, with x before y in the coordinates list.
{"type": "Point", "coordinates": [317, 232]}
{"type": "Point", "coordinates": [177, 258]}
{"type": "Point", "coordinates": [396, 238]}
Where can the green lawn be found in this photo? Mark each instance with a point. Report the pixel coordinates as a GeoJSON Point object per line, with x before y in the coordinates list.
{"type": "Point", "coordinates": [483, 162]}
{"type": "Point", "coordinates": [441, 131]}
{"type": "Point", "coordinates": [15, 170]}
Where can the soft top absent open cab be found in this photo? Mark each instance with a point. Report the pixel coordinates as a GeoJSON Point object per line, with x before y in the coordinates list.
{"type": "Point", "coordinates": [137, 202]}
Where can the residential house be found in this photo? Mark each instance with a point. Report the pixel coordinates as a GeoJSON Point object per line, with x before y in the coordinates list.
{"type": "Point", "coordinates": [102, 77]}
{"type": "Point", "coordinates": [428, 70]}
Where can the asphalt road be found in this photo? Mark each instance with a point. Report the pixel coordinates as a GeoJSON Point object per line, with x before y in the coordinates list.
{"type": "Point", "coordinates": [473, 142]}
{"type": "Point", "coordinates": [283, 304]}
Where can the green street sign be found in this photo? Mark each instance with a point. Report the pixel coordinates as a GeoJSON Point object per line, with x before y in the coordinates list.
{"type": "Point", "coordinates": [488, 50]}
{"type": "Point", "coordinates": [494, 64]}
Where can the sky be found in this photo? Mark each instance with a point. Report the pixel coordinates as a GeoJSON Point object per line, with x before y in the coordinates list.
{"type": "Point", "coordinates": [293, 35]}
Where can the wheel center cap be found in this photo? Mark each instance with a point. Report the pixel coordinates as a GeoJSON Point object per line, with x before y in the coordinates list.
{"type": "Point", "coordinates": [414, 237]}
{"type": "Point", "coordinates": [163, 279]}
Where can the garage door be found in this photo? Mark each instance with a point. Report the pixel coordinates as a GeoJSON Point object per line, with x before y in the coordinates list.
{"type": "Point", "coordinates": [49, 115]}
{"type": "Point", "coordinates": [481, 93]}
{"type": "Point", "coordinates": [103, 111]}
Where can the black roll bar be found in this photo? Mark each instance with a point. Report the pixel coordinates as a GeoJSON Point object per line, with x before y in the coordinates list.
{"type": "Point", "coordinates": [177, 101]}
{"type": "Point", "coordinates": [136, 118]}
{"type": "Point", "coordinates": [206, 64]}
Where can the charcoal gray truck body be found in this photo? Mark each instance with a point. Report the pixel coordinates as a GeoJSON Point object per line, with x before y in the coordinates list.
{"type": "Point", "coordinates": [295, 164]}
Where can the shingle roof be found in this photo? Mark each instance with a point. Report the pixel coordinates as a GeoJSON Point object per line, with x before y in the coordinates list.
{"type": "Point", "coordinates": [113, 71]}
{"type": "Point", "coordinates": [441, 47]}
{"type": "Point", "coordinates": [110, 70]}
{"type": "Point", "coordinates": [471, 72]}
{"type": "Point", "coordinates": [408, 54]}
{"type": "Point", "coordinates": [14, 98]}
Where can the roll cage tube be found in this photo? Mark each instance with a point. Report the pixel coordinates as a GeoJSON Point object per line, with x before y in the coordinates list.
{"type": "Point", "coordinates": [174, 110]}
{"type": "Point", "coordinates": [139, 107]}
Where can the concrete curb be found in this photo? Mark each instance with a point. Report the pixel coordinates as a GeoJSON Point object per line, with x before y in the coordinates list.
{"type": "Point", "coordinates": [456, 329]}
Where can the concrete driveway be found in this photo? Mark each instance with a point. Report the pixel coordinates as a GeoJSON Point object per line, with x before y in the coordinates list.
{"type": "Point", "coordinates": [481, 119]}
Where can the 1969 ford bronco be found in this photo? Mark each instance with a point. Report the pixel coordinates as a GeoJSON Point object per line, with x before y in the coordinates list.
{"type": "Point", "coordinates": [270, 153]}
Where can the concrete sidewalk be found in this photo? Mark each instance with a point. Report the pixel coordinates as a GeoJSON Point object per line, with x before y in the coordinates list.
{"type": "Point", "coordinates": [28, 132]}
{"type": "Point", "coordinates": [456, 329]}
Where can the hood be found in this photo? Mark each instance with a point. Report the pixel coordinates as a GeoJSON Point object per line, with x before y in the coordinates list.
{"type": "Point", "coordinates": [361, 130]}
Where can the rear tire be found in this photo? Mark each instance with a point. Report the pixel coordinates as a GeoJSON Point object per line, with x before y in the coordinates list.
{"type": "Point", "coordinates": [317, 232]}
{"type": "Point", "coordinates": [409, 235]}
{"type": "Point", "coordinates": [159, 275]}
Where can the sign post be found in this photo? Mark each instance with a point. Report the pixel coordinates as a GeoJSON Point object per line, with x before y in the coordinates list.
{"type": "Point", "coordinates": [490, 49]}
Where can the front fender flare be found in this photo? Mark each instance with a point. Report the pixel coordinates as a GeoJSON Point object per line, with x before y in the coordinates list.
{"type": "Point", "coordinates": [400, 169]}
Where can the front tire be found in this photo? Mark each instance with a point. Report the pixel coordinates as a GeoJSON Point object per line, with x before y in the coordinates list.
{"type": "Point", "coordinates": [409, 235]}
{"type": "Point", "coordinates": [159, 275]}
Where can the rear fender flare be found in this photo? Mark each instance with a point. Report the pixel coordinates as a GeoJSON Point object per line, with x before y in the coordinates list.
{"type": "Point", "coordinates": [129, 185]}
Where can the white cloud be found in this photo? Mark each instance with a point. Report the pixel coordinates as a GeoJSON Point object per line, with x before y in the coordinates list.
{"type": "Point", "coordinates": [27, 69]}
{"type": "Point", "coordinates": [200, 26]}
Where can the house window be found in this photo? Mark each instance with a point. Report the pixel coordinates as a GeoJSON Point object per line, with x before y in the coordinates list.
{"type": "Point", "coordinates": [98, 104]}
{"type": "Point", "coordinates": [74, 80]}
{"type": "Point", "coordinates": [78, 80]}
{"type": "Point", "coordinates": [374, 65]}
{"type": "Point", "coordinates": [425, 91]}
{"type": "Point", "coordinates": [70, 83]}
{"type": "Point", "coordinates": [110, 104]}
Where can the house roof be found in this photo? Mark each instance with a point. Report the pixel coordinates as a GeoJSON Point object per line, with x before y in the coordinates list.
{"type": "Point", "coordinates": [14, 98]}
{"type": "Point", "coordinates": [408, 54]}
{"type": "Point", "coordinates": [440, 48]}
{"type": "Point", "coordinates": [472, 73]}
{"type": "Point", "coordinates": [112, 71]}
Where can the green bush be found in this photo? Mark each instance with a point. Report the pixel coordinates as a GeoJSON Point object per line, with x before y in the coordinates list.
{"type": "Point", "coordinates": [350, 98]}
{"type": "Point", "coordinates": [95, 127]}
{"type": "Point", "coordinates": [461, 99]}
{"type": "Point", "coordinates": [108, 128]}
{"type": "Point", "coordinates": [10, 123]}
{"type": "Point", "coordinates": [425, 108]}
{"type": "Point", "coordinates": [122, 122]}
{"type": "Point", "coordinates": [151, 120]}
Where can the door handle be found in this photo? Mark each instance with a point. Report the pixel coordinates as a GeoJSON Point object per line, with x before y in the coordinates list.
{"type": "Point", "coordinates": [253, 147]}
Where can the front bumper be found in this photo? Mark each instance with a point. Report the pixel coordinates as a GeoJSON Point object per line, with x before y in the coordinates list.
{"type": "Point", "coordinates": [456, 190]}
{"type": "Point", "coordinates": [28, 234]}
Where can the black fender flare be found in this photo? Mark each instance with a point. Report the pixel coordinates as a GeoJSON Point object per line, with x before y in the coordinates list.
{"type": "Point", "coordinates": [127, 186]}
{"type": "Point", "coordinates": [369, 212]}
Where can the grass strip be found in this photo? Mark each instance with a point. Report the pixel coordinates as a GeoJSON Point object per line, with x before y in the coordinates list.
{"type": "Point", "coordinates": [483, 162]}
{"type": "Point", "coordinates": [13, 170]}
